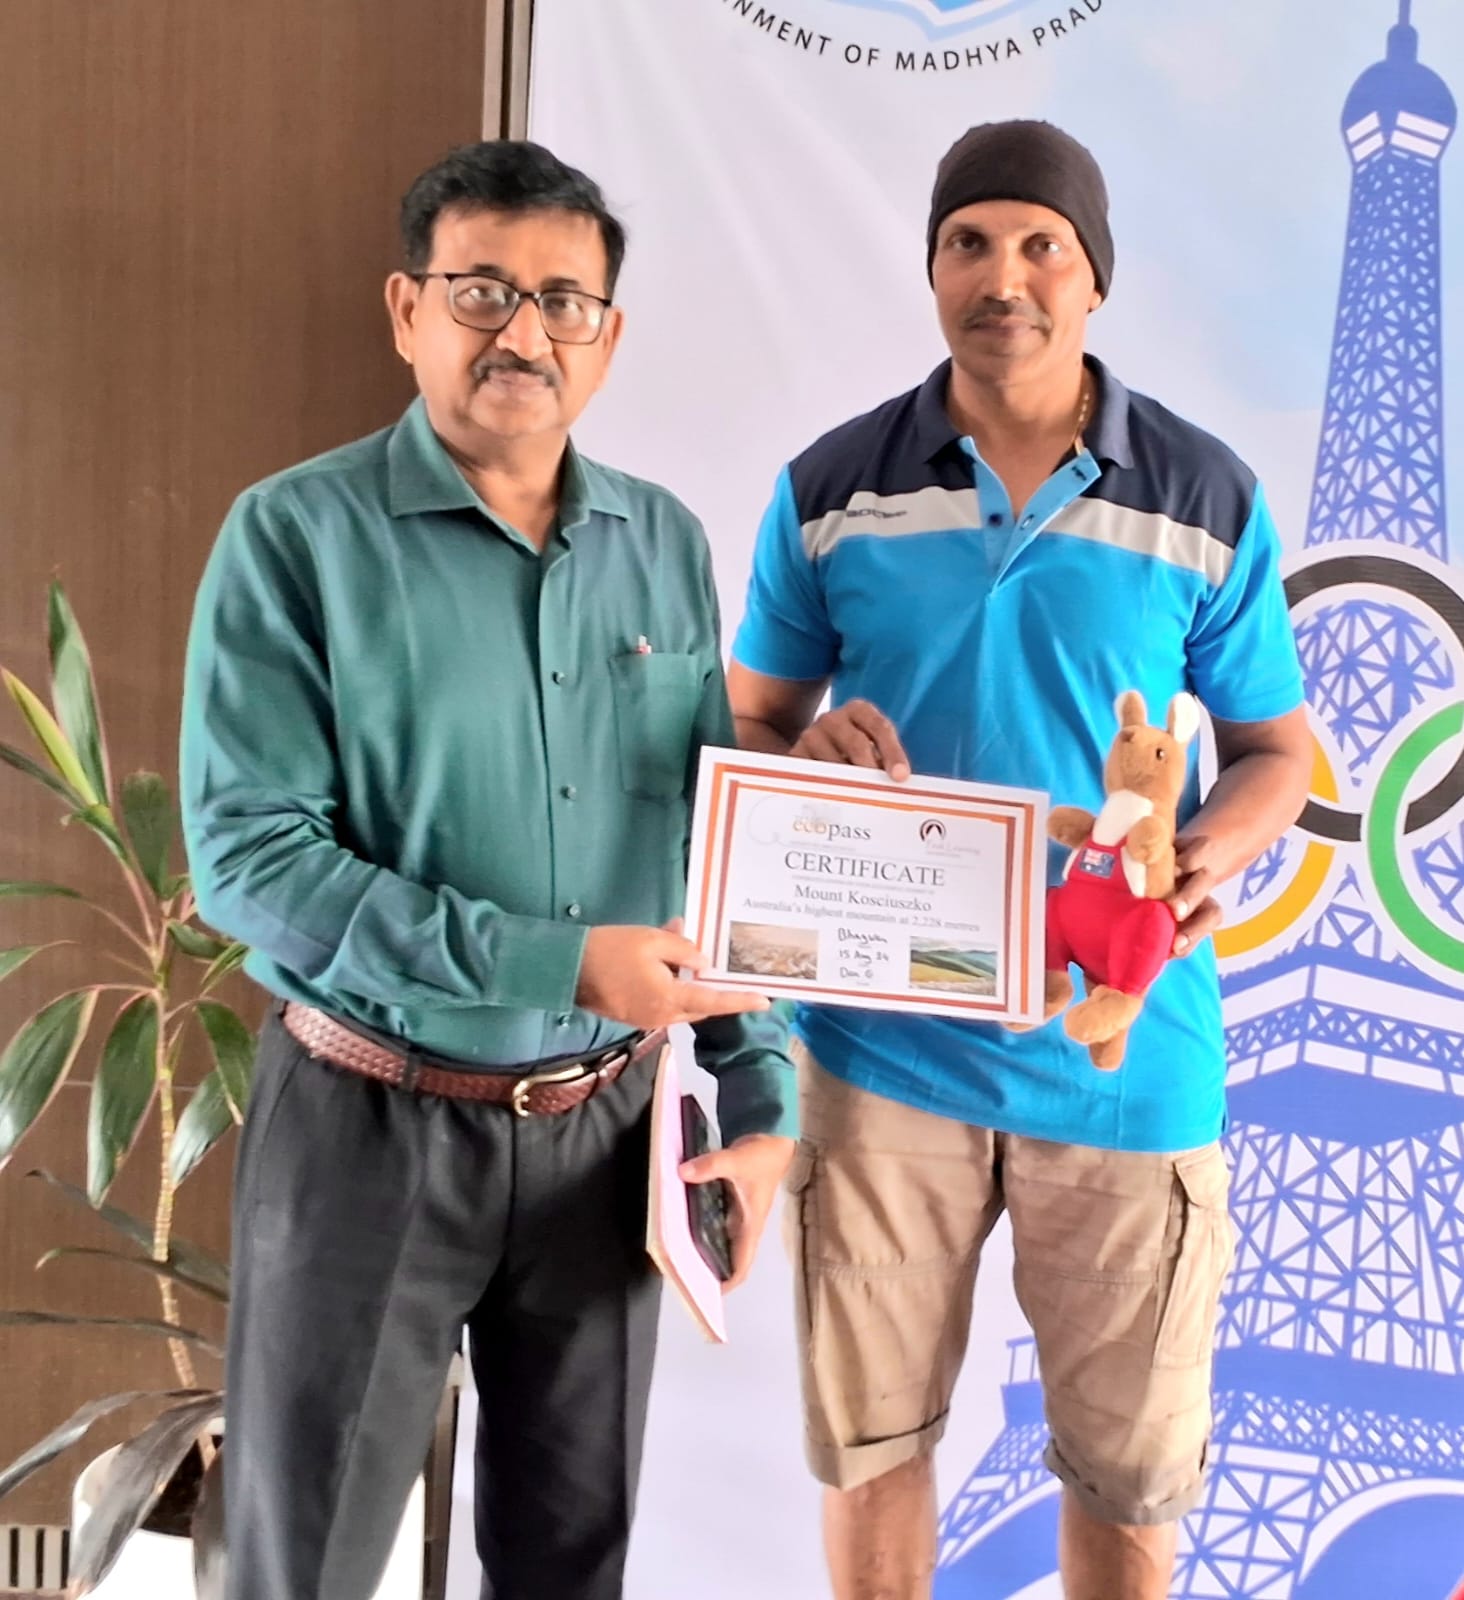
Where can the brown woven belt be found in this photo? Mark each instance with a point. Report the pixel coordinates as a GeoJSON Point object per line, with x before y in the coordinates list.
{"type": "Point", "coordinates": [530, 1094]}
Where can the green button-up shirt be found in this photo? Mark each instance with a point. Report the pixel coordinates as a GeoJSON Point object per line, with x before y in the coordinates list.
{"type": "Point", "coordinates": [421, 758]}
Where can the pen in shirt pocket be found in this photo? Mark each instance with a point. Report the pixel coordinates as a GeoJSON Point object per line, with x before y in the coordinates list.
{"type": "Point", "coordinates": [642, 645]}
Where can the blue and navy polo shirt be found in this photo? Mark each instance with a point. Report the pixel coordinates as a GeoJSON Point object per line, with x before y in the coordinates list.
{"type": "Point", "coordinates": [997, 640]}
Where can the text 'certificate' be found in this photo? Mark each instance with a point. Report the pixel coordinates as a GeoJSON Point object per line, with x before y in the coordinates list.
{"type": "Point", "coordinates": [835, 885]}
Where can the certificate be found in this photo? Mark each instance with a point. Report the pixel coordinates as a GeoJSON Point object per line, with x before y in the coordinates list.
{"type": "Point", "coordinates": [835, 885]}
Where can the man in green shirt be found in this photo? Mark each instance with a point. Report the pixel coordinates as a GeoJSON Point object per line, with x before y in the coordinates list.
{"type": "Point", "coordinates": [446, 687]}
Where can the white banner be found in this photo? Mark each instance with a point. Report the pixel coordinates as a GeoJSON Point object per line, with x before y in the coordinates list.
{"type": "Point", "coordinates": [1289, 221]}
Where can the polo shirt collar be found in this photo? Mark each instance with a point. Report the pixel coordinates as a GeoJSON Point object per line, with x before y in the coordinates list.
{"type": "Point", "coordinates": [934, 430]}
{"type": "Point", "coordinates": [1107, 433]}
{"type": "Point", "coordinates": [422, 476]}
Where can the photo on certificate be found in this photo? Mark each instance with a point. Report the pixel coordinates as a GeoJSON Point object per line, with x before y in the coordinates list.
{"type": "Point", "coordinates": [834, 884]}
{"type": "Point", "coordinates": [935, 964]}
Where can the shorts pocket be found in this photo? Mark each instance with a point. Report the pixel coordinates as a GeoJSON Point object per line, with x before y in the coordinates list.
{"type": "Point", "coordinates": [656, 699]}
{"type": "Point", "coordinates": [797, 1231]}
{"type": "Point", "coordinates": [1199, 1250]}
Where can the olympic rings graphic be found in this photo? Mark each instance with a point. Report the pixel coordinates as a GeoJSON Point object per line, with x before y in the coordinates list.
{"type": "Point", "coordinates": [1385, 822]}
{"type": "Point", "coordinates": [1382, 833]}
{"type": "Point", "coordinates": [1292, 904]}
{"type": "Point", "coordinates": [1382, 572]}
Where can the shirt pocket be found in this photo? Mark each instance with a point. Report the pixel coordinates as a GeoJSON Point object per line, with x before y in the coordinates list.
{"type": "Point", "coordinates": [656, 699]}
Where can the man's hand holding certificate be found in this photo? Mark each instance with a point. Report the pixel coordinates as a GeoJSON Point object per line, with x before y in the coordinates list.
{"type": "Point", "coordinates": [834, 884]}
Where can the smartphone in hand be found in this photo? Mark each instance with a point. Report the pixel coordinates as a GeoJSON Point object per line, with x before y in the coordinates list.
{"type": "Point", "coordinates": [708, 1203]}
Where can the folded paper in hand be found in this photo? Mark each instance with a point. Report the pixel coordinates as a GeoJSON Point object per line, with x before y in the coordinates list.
{"type": "Point", "coordinates": [668, 1218]}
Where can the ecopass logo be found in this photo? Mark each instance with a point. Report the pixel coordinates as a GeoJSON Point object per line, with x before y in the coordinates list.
{"type": "Point", "coordinates": [918, 36]}
{"type": "Point", "coordinates": [822, 828]}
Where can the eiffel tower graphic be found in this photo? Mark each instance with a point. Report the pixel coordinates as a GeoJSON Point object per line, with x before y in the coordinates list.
{"type": "Point", "coordinates": [1337, 1468]}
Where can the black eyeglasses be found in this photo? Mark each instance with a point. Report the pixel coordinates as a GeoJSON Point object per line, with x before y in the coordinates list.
{"type": "Point", "coordinates": [488, 305]}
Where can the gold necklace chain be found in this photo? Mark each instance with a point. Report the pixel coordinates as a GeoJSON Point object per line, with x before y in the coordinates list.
{"type": "Point", "coordinates": [1085, 407]}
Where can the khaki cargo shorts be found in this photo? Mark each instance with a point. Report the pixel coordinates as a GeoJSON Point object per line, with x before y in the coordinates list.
{"type": "Point", "coordinates": [1120, 1258]}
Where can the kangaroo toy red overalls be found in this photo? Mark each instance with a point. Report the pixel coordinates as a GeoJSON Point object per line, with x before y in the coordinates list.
{"type": "Point", "coordinates": [1095, 919]}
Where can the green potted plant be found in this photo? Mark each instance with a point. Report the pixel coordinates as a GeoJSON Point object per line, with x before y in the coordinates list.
{"type": "Point", "coordinates": [159, 991]}
{"type": "Point", "coordinates": [153, 1002]}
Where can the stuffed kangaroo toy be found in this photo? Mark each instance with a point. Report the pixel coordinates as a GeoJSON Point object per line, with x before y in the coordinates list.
{"type": "Point", "coordinates": [1110, 915]}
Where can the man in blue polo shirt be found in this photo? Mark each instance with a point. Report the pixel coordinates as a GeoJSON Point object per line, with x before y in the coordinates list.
{"type": "Point", "coordinates": [979, 568]}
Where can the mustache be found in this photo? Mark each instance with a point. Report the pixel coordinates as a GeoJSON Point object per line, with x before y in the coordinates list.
{"type": "Point", "coordinates": [999, 310]}
{"type": "Point", "coordinates": [506, 361]}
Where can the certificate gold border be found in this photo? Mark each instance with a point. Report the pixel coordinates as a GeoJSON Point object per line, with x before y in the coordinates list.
{"type": "Point", "coordinates": [730, 776]}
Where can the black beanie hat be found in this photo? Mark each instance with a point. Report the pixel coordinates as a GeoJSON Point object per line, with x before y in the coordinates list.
{"type": "Point", "coordinates": [1030, 161]}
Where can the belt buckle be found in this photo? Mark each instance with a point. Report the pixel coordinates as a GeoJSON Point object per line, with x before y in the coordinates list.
{"type": "Point", "coordinates": [525, 1086]}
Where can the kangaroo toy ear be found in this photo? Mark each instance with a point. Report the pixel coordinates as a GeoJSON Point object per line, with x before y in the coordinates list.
{"type": "Point", "coordinates": [1130, 709]}
{"type": "Point", "coordinates": [1184, 718]}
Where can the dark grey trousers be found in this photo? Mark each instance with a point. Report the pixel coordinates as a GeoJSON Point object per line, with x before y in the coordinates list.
{"type": "Point", "coordinates": [371, 1226]}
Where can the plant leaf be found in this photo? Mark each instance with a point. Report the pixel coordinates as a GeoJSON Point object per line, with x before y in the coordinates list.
{"type": "Point", "coordinates": [101, 821]}
{"type": "Point", "coordinates": [51, 739]}
{"type": "Point", "coordinates": [97, 816]}
{"type": "Point", "coordinates": [151, 1326]}
{"type": "Point", "coordinates": [175, 885]}
{"type": "Point", "coordinates": [74, 1428]}
{"type": "Point", "coordinates": [15, 958]}
{"type": "Point", "coordinates": [206, 1118]}
{"type": "Point", "coordinates": [122, 1091]}
{"type": "Point", "coordinates": [161, 1268]}
{"type": "Point", "coordinates": [139, 1473]}
{"type": "Point", "coordinates": [36, 1062]}
{"type": "Point", "coordinates": [210, 1548]}
{"type": "Point", "coordinates": [231, 960]}
{"type": "Point", "coordinates": [74, 695]}
{"type": "Point", "coordinates": [194, 942]}
{"type": "Point", "coordinates": [147, 809]}
{"type": "Point", "coordinates": [233, 1049]}
{"type": "Point", "coordinates": [32, 769]}
{"type": "Point", "coordinates": [13, 889]}
{"type": "Point", "coordinates": [193, 1264]}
